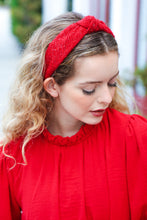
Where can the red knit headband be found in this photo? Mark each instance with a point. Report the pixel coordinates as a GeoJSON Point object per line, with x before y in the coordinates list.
{"type": "Point", "coordinates": [68, 38]}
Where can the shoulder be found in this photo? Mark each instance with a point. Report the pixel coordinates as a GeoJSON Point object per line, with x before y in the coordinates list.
{"type": "Point", "coordinates": [12, 152]}
{"type": "Point", "coordinates": [134, 125]}
{"type": "Point", "coordinates": [115, 115]}
{"type": "Point", "coordinates": [115, 122]}
{"type": "Point", "coordinates": [136, 135]}
{"type": "Point", "coordinates": [134, 128]}
{"type": "Point", "coordinates": [134, 120]}
{"type": "Point", "coordinates": [12, 147]}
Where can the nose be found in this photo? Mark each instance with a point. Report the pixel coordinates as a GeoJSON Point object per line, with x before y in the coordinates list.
{"type": "Point", "coordinates": [105, 95]}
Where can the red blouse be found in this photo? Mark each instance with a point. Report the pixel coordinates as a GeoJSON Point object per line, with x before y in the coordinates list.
{"type": "Point", "coordinates": [100, 173]}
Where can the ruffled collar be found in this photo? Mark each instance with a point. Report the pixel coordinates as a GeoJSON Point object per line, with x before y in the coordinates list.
{"type": "Point", "coordinates": [83, 133]}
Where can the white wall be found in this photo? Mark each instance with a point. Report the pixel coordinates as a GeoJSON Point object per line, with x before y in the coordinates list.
{"type": "Point", "coordinates": [123, 24]}
{"type": "Point", "coordinates": [82, 6]}
{"type": "Point", "coordinates": [142, 49]}
{"type": "Point", "coordinates": [90, 7]}
{"type": "Point", "coordinates": [93, 7]}
{"type": "Point", "coordinates": [53, 8]}
{"type": "Point", "coordinates": [102, 10]}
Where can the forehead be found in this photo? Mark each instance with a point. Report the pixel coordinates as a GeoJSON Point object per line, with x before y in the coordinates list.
{"type": "Point", "coordinates": [97, 67]}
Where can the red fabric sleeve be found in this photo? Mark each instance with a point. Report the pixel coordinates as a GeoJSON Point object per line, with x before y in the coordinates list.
{"type": "Point", "coordinates": [9, 209]}
{"type": "Point", "coordinates": [136, 152]}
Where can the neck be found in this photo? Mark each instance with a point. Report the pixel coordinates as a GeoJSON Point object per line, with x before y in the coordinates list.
{"type": "Point", "coordinates": [63, 126]}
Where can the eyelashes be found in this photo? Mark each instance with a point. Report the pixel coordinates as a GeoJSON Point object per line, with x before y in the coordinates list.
{"type": "Point", "coordinates": [89, 92]}
{"type": "Point", "coordinates": [112, 84]}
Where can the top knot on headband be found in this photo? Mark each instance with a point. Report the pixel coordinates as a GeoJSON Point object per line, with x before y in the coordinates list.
{"type": "Point", "coordinates": [68, 38]}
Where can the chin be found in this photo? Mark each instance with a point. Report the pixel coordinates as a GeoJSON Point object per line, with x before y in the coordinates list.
{"type": "Point", "coordinates": [94, 121]}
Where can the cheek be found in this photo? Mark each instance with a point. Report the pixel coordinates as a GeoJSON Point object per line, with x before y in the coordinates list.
{"type": "Point", "coordinates": [78, 100]}
{"type": "Point", "coordinates": [113, 92]}
{"type": "Point", "coordinates": [82, 101]}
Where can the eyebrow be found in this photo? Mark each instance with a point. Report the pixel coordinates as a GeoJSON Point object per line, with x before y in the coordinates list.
{"type": "Point", "coordinates": [93, 82]}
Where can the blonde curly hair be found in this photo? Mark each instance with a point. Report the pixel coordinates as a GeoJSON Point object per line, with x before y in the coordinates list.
{"type": "Point", "coordinates": [30, 104]}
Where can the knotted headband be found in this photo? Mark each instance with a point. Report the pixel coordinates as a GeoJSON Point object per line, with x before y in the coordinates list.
{"type": "Point", "coordinates": [68, 38]}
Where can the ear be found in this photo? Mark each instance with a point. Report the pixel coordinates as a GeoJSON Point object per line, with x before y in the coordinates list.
{"type": "Point", "coordinates": [51, 86]}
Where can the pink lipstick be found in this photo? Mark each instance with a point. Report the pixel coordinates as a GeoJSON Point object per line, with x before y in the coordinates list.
{"type": "Point", "coordinates": [98, 113]}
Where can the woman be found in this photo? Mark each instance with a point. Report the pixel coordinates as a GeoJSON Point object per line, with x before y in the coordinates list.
{"type": "Point", "coordinates": [70, 150]}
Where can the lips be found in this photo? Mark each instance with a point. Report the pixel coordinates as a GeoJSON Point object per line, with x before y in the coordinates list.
{"type": "Point", "coordinates": [98, 112]}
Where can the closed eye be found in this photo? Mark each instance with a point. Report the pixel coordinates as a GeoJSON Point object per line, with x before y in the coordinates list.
{"type": "Point", "coordinates": [88, 92]}
{"type": "Point", "coordinates": [112, 84]}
